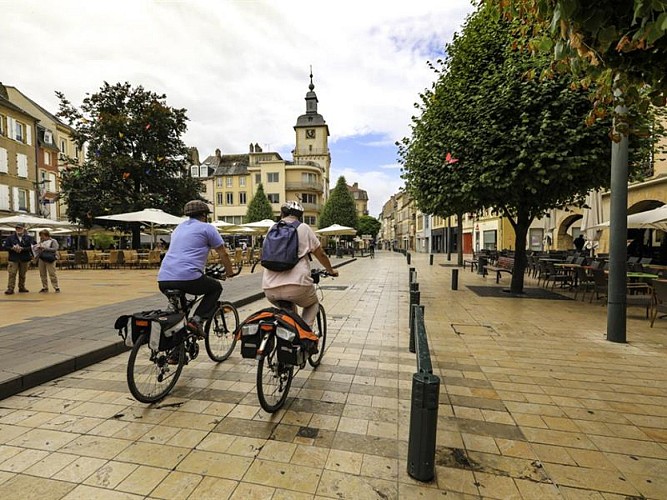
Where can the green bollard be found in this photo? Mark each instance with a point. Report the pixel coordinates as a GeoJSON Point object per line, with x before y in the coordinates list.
{"type": "Point", "coordinates": [423, 426]}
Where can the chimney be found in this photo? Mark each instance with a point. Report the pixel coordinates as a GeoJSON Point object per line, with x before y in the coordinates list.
{"type": "Point", "coordinates": [3, 91]}
{"type": "Point", "coordinates": [355, 185]}
{"type": "Point", "coordinates": [218, 154]}
{"type": "Point", "coordinates": [252, 148]}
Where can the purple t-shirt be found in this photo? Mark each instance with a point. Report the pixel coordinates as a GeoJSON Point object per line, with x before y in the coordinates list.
{"type": "Point", "coordinates": [188, 251]}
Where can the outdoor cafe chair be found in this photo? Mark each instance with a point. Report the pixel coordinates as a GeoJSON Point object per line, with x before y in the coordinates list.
{"type": "Point", "coordinates": [659, 306]}
{"type": "Point", "coordinates": [585, 282]}
{"type": "Point", "coordinates": [600, 285]}
{"type": "Point", "coordinates": [555, 276]}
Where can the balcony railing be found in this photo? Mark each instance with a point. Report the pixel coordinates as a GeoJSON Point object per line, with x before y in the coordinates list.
{"type": "Point", "coordinates": [312, 207]}
{"type": "Point", "coordinates": [304, 186]}
{"type": "Point", "coordinates": [309, 152]}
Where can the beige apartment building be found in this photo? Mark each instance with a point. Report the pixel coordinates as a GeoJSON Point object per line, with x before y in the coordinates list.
{"type": "Point", "coordinates": [360, 198]}
{"type": "Point", "coordinates": [18, 158]}
{"type": "Point", "coordinates": [306, 177]}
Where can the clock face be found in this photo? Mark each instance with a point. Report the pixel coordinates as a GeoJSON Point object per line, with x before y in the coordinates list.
{"type": "Point", "coordinates": [310, 133]}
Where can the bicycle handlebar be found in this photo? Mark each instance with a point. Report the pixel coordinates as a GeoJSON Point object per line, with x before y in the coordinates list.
{"type": "Point", "coordinates": [217, 271]}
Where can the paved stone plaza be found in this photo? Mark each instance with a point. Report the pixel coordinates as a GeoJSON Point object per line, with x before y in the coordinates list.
{"type": "Point", "coordinates": [534, 403]}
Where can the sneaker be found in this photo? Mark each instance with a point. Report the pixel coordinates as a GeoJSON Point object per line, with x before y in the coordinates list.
{"type": "Point", "coordinates": [195, 328]}
{"type": "Point", "coordinates": [44, 290]}
{"type": "Point", "coordinates": [172, 357]}
{"type": "Point", "coordinates": [9, 292]}
{"type": "Point", "coordinates": [23, 290]}
{"type": "Point", "coordinates": [57, 290]}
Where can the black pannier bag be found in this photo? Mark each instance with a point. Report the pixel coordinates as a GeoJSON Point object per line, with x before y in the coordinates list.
{"type": "Point", "coordinates": [295, 340]}
{"type": "Point", "coordinates": [165, 329]}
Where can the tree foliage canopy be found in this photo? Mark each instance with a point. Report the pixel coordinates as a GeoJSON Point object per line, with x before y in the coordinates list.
{"type": "Point", "coordinates": [368, 225]}
{"type": "Point", "coordinates": [339, 208]}
{"type": "Point", "coordinates": [610, 43]}
{"type": "Point", "coordinates": [135, 158]}
{"type": "Point", "coordinates": [259, 207]}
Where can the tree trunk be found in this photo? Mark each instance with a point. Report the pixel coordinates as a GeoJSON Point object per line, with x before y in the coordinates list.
{"type": "Point", "coordinates": [136, 236]}
{"type": "Point", "coordinates": [459, 239]}
{"type": "Point", "coordinates": [520, 260]}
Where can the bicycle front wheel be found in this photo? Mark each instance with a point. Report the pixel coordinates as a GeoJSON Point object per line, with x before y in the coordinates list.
{"type": "Point", "coordinates": [150, 375]}
{"type": "Point", "coordinates": [320, 328]}
{"type": "Point", "coordinates": [220, 339]}
{"type": "Point", "coordinates": [273, 380]}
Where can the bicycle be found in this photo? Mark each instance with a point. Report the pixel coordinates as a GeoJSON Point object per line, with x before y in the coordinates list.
{"type": "Point", "coordinates": [160, 349]}
{"type": "Point", "coordinates": [277, 357]}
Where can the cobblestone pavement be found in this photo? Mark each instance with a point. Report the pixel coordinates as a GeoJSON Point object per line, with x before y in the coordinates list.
{"type": "Point", "coordinates": [534, 404]}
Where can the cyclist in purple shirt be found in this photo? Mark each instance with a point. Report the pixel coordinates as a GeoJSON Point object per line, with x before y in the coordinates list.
{"type": "Point", "coordinates": [183, 266]}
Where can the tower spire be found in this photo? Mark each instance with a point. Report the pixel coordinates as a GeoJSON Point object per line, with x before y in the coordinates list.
{"type": "Point", "coordinates": [311, 86]}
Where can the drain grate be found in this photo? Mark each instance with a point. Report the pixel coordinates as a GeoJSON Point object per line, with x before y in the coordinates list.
{"type": "Point", "coordinates": [334, 287]}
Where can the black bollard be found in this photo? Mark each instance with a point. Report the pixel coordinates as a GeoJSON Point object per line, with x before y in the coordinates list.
{"type": "Point", "coordinates": [415, 298]}
{"type": "Point", "coordinates": [430, 259]}
{"type": "Point", "coordinates": [409, 257]}
{"type": "Point", "coordinates": [423, 426]}
{"type": "Point", "coordinates": [455, 279]}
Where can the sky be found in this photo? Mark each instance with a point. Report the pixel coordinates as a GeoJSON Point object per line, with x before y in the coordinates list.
{"type": "Point", "coordinates": [241, 68]}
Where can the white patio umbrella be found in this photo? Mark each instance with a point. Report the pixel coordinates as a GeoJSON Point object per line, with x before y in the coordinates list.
{"type": "Point", "coordinates": [218, 224]}
{"type": "Point", "coordinates": [592, 217]}
{"type": "Point", "coordinates": [152, 217]}
{"type": "Point", "coordinates": [651, 219]}
{"type": "Point", "coordinates": [261, 226]}
{"type": "Point", "coordinates": [337, 230]}
{"type": "Point", "coordinates": [31, 220]}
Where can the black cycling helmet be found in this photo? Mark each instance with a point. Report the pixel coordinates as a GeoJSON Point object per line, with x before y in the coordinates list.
{"type": "Point", "coordinates": [292, 208]}
{"type": "Point", "coordinates": [194, 208]}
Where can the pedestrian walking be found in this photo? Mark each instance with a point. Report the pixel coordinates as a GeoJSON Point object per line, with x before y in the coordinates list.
{"type": "Point", "coordinates": [46, 252]}
{"type": "Point", "coordinates": [19, 246]}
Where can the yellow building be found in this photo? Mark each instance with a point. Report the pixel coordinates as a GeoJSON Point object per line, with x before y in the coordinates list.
{"type": "Point", "coordinates": [360, 198]}
{"type": "Point", "coordinates": [18, 162]}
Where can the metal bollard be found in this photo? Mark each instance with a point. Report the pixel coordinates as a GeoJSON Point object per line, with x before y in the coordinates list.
{"type": "Point", "coordinates": [430, 259]}
{"type": "Point", "coordinates": [409, 257]}
{"type": "Point", "coordinates": [455, 279]}
{"type": "Point", "coordinates": [413, 275]}
{"type": "Point", "coordinates": [415, 298]}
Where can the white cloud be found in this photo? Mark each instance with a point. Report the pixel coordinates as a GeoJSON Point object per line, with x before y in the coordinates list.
{"type": "Point", "coordinates": [392, 166]}
{"type": "Point", "coordinates": [239, 67]}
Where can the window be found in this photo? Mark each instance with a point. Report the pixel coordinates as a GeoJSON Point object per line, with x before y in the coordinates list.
{"type": "Point", "coordinates": [47, 158]}
{"type": "Point", "coordinates": [63, 147]}
{"type": "Point", "coordinates": [51, 186]}
{"type": "Point", "coordinates": [22, 199]}
{"type": "Point", "coordinates": [311, 220]}
{"type": "Point", "coordinates": [242, 181]}
{"type": "Point", "coordinates": [2, 125]}
{"type": "Point", "coordinates": [218, 198]}
{"type": "Point", "coordinates": [3, 161]}
{"type": "Point", "coordinates": [203, 171]}
{"type": "Point", "coordinates": [229, 181]}
{"type": "Point", "coordinates": [21, 165]}
{"type": "Point", "coordinates": [76, 152]}
{"type": "Point", "coordinates": [273, 197]}
{"type": "Point", "coordinates": [258, 178]}
{"type": "Point", "coordinates": [308, 198]}
{"type": "Point", "coordinates": [308, 178]}
{"type": "Point", "coordinates": [243, 199]}
{"type": "Point", "coordinates": [230, 198]}
{"type": "Point", "coordinates": [194, 171]}
{"type": "Point", "coordinates": [19, 132]}
{"type": "Point", "coordinates": [4, 197]}
{"type": "Point", "coordinates": [218, 182]}
{"type": "Point", "coordinates": [48, 137]}
{"type": "Point", "coordinates": [272, 177]}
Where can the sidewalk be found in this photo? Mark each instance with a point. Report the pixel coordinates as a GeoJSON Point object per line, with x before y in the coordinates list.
{"type": "Point", "coordinates": [534, 404]}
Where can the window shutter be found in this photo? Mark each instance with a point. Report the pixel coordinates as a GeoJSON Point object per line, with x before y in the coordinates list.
{"type": "Point", "coordinates": [31, 201]}
{"type": "Point", "coordinates": [12, 127]}
{"type": "Point", "coordinates": [52, 182]}
{"type": "Point", "coordinates": [21, 165]}
{"type": "Point", "coordinates": [15, 198]}
{"type": "Point", "coordinates": [28, 134]}
{"type": "Point", "coordinates": [4, 197]}
{"type": "Point", "coordinates": [3, 161]}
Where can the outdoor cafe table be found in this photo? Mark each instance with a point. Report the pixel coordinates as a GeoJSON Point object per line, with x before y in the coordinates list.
{"type": "Point", "coordinates": [551, 260]}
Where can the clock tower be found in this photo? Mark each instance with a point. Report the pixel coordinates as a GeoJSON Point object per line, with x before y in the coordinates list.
{"type": "Point", "coordinates": [312, 138]}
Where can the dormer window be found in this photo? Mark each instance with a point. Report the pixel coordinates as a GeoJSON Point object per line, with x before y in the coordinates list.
{"type": "Point", "coordinates": [194, 171]}
{"type": "Point", "coordinates": [48, 137]}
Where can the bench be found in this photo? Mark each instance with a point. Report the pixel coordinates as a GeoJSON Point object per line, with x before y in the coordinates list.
{"type": "Point", "coordinates": [473, 263]}
{"type": "Point", "coordinates": [504, 265]}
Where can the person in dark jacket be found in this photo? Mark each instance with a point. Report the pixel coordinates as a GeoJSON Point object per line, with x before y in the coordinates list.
{"type": "Point", "coordinates": [579, 242]}
{"type": "Point", "coordinates": [19, 246]}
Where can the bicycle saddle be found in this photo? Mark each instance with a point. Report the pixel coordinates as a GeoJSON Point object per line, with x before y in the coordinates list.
{"type": "Point", "coordinates": [174, 292]}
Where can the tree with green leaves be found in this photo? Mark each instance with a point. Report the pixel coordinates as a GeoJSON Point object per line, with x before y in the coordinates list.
{"type": "Point", "coordinates": [368, 225]}
{"type": "Point", "coordinates": [135, 158]}
{"type": "Point", "coordinates": [490, 138]}
{"type": "Point", "coordinates": [259, 207]}
{"type": "Point", "coordinates": [340, 207]}
{"type": "Point", "coordinates": [621, 47]}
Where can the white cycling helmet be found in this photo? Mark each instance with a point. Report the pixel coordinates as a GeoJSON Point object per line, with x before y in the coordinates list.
{"type": "Point", "coordinates": [292, 208]}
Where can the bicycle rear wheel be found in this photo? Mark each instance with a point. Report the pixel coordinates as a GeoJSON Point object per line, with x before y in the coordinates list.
{"type": "Point", "coordinates": [320, 328]}
{"type": "Point", "coordinates": [149, 376]}
{"type": "Point", "coordinates": [273, 380]}
{"type": "Point", "coordinates": [220, 339]}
